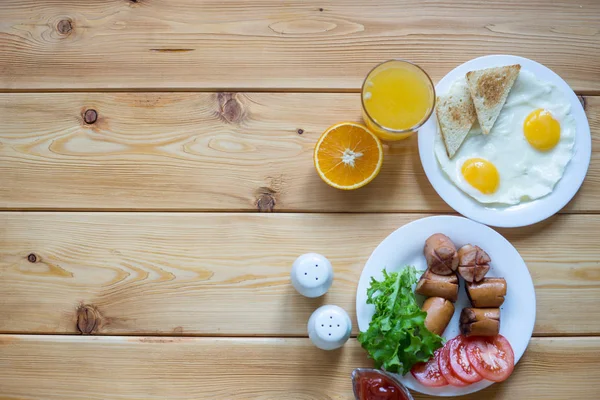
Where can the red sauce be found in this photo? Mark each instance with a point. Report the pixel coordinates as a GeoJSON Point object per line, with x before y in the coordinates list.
{"type": "Point", "coordinates": [377, 387]}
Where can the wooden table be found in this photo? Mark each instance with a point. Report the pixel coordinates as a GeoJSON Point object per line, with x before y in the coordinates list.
{"type": "Point", "coordinates": [156, 183]}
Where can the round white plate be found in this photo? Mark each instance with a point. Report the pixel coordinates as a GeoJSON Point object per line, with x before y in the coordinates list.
{"type": "Point", "coordinates": [525, 213]}
{"type": "Point", "coordinates": [405, 247]}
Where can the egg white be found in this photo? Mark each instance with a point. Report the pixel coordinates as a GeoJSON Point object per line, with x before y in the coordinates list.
{"type": "Point", "coordinates": [525, 173]}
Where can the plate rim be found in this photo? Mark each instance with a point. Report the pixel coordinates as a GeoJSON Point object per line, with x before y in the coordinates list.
{"type": "Point", "coordinates": [523, 214]}
{"type": "Point", "coordinates": [449, 219]}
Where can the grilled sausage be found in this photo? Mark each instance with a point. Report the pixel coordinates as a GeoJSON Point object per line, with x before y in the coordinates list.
{"type": "Point", "coordinates": [441, 254]}
{"type": "Point", "coordinates": [439, 313]}
{"type": "Point", "coordinates": [472, 255]}
{"type": "Point", "coordinates": [489, 292]}
{"type": "Point", "coordinates": [433, 285]}
{"type": "Point", "coordinates": [473, 273]}
{"type": "Point", "coordinates": [480, 321]}
{"type": "Point", "coordinates": [473, 263]}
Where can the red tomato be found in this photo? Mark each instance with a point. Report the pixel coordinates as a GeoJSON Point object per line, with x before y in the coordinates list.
{"type": "Point", "coordinates": [429, 373]}
{"type": "Point", "coordinates": [459, 363]}
{"type": "Point", "coordinates": [444, 365]}
{"type": "Point", "coordinates": [492, 357]}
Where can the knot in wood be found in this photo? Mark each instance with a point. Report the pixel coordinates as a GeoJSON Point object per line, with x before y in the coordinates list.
{"type": "Point", "coordinates": [230, 108]}
{"type": "Point", "coordinates": [90, 116]}
{"type": "Point", "coordinates": [32, 258]}
{"type": "Point", "coordinates": [64, 26]}
{"type": "Point", "coordinates": [266, 200]}
{"type": "Point", "coordinates": [88, 319]}
{"type": "Point", "coordinates": [300, 131]}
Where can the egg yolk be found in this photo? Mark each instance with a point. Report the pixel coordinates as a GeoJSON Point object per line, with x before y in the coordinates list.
{"type": "Point", "coordinates": [541, 130]}
{"type": "Point", "coordinates": [481, 174]}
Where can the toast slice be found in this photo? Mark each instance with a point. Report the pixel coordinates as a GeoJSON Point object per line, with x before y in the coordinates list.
{"type": "Point", "coordinates": [489, 89]}
{"type": "Point", "coordinates": [455, 114]}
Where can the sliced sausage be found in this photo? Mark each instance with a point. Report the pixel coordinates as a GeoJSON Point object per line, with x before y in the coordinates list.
{"type": "Point", "coordinates": [439, 313]}
{"type": "Point", "coordinates": [473, 263]}
{"type": "Point", "coordinates": [433, 285]}
{"type": "Point", "coordinates": [473, 273]}
{"type": "Point", "coordinates": [441, 254]}
{"type": "Point", "coordinates": [489, 292]}
{"type": "Point", "coordinates": [480, 321]}
{"type": "Point", "coordinates": [472, 255]}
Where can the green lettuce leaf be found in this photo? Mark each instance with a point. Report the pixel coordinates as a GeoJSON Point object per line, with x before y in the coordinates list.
{"type": "Point", "coordinates": [397, 338]}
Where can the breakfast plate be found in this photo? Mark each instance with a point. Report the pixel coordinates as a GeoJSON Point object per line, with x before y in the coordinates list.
{"type": "Point", "coordinates": [405, 247]}
{"type": "Point", "coordinates": [526, 212]}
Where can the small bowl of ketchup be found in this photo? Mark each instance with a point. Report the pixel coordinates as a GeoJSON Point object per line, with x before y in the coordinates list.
{"type": "Point", "coordinates": [375, 384]}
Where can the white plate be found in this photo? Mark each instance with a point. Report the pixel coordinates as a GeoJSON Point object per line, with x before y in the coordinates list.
{"type": "Point", "coordinates": [405, 247]}
{"type": "Point", "coordinates": [522, 214]}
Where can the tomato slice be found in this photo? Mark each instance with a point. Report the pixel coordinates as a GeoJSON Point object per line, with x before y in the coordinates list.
{"type": "Point", "coordinates": [459, 363]}
{"type": "Point", "coordinates": [429, 373]}
{"type": "Point", "coordinates": [444, 365]}
{"type": "Point", "coordinates": [492, 357]}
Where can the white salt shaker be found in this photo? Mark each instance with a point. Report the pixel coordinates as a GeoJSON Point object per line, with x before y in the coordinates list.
{"type": "Point", "coordinates": [312, 275]}
{"type": "Point", "coordinates": [329, 327]}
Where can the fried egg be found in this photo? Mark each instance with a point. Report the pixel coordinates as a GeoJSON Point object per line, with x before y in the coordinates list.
{"type": "Point", "coordinates": [526, 152]}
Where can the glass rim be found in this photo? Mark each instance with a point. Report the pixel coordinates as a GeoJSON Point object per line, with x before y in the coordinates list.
{"type": "Point", "coordinates": [398, 131]}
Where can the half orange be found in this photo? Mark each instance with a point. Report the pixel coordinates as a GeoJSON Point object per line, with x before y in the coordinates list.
{"type": "Point", "coordinates": [348, 156]}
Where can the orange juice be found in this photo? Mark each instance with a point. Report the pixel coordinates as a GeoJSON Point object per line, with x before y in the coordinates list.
{"type": "Point", "coordinates": [397, 98]}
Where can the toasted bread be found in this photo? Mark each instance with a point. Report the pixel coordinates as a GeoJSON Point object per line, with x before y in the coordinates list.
{"type": "Point", "coordinates": [489, 89]}
{"type": "Point", "coordinates": [455, 114]}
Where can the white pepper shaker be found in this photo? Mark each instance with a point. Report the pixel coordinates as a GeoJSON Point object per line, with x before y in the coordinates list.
{"type": "Point", "coordinates": [329, 327]}
{"type": "Point", "coordinates": [312, 275]}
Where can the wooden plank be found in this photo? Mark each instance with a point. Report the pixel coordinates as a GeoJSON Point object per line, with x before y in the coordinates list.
{"type": "Point", "coordinates": [228, 274]}
{"type": "Point", "coordinates": [298, 44]}
{"type": "Point", "coordinates": [203, 151]}
{"type": "Point", "coordinates": [59, 367]}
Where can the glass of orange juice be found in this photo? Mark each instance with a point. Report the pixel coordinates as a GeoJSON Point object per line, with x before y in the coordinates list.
{"type": "Point", "coordinates": [397, 99]}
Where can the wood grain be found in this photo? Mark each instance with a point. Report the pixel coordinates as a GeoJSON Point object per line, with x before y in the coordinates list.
{"type": "Point", "coordinates": [204, 151]}
{"type": "Point", "coordinates": [228, 274]}
{"type": "Point", "coordinates": [299, 44]}
{"type": "Point", "coordinates": [59, 367]}
{"type": "Point", "coordinates": [188, 106]}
